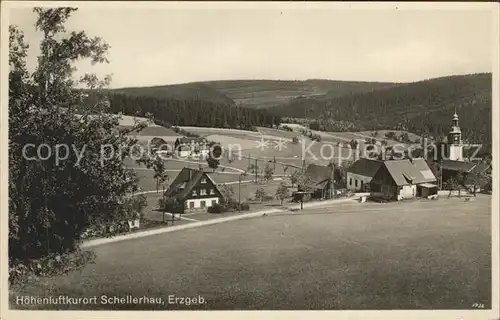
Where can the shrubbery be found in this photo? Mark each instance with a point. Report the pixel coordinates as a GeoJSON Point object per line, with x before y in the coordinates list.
{"type": "Point", "coordinates": [50, 265]}
{"type": "Point", "coordinates": [229, 207]}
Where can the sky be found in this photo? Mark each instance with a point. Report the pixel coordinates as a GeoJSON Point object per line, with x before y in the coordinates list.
{"type": "Point", "coordinates": [170, 45]}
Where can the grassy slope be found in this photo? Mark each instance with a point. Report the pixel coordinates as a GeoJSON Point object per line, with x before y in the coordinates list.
{"type": "Point", "coordinates": [416, 255]}
{"type": "Point", "coordinates": [266, 93]}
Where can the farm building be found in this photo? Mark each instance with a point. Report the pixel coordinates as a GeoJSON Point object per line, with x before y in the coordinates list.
{"type": "Point", "coordinates": [360, 174]}
{"type": "Point", "coordinates": [404, 179]}
{"type": "Point", "coordinates": [319, 180]}
{"type": "Point", "coordinates": [158, 144]}
{"type": "Point", "coordinates": [192, 190]}
{"type": "Point", "coordinates": [454, 169]}
{"type": "Point", "coordinates": [188, 146]}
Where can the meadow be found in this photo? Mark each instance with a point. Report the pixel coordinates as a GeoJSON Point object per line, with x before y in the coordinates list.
{"type": "Point", "coordinates": [355, 256]}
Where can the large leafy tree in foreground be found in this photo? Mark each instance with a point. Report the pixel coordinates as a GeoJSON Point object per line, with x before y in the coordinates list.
{"type": "Point", "coordinates": [51, 203]}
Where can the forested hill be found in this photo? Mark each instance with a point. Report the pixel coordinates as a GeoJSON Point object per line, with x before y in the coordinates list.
{"type": "Point", "coordinates": [417, 107]}
{"type": "Point", "coordinates": [182, 112]}
{"type": "Point", "coordinates": [254, 93]}
{"type": "Point", "coordinates": [188, 91]}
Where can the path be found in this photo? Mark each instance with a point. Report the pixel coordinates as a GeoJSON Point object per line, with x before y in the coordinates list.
{"type": "Point", "coordinates": [146, 233]}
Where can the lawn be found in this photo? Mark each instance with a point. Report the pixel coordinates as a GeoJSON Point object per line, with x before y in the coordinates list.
{"type": "Point", "coordinates": [414, 255]}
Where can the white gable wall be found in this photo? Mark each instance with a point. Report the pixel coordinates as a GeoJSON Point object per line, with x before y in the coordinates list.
{"type": "Point", "coordinates": [353, 177]}
{"type": "Point", "coordinates": [196, 203]}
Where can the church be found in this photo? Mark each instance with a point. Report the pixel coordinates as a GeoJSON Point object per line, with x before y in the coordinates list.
{"type": "Point", "coordinates": [452, 160]}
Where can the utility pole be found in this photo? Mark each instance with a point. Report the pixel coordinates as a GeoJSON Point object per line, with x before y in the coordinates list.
{"type": "Point", "coordinates": [441, 173]}
{"type": "Point", "coordinates": [332, 180]}
{"type": "Point", "coordinates": [256, 171]}
{"type": "Point", "coordinates": [239, 192]}
{"type": "Point", "coordinates": [163, 205]}
{"type": "Point", "coordinates": [274, 163]}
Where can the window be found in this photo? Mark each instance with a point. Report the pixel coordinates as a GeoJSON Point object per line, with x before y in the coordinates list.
{"type": "Point", "coordinates": [194, 193]}
{"type": "Point", "coordinates": [212, 191]}
{"type": "Point", "coordinates": [214, 202]}
{"type": "Point", "coordinates": [191, 204]}
{"type": "Point", "coordinates": [350, 181]}
{"type": "Point", "coordinates": [203, 192]}
{"type": "Point", "coordinates": [203, 180]}
{"type": "Point", "coordinates": [361, 185]}
{"type": "Point", "coordinates": [356, 183]}
{"type": "Point", "coordinates": [202, 204]}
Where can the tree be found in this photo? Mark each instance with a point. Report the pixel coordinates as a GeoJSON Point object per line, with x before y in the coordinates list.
{"type": "Point", "coordinates": [213, 158]}
{"type": "Point", "coordinates": [384, 142]}
{"type": "Point", "coordinates": [354, 144]}
{"type": "Point", "coordinates": [52, 202]}
{"type": "Point", "coordinates": [268, 173]}
{"type": "Point", "coordinates": [404, 137]}
{"type": "Point", "coordinates": [391, 135]}
{"type": "Point", "coordinates": [452, 185]}
{"type": "Point", "coordinates": [295, 140]}
{"type": "Point", "coordinates": [227, 193]}
{"type": "Point", "coordinates": [294, 177]}
{"type": "Point", "coordinates": [260, 194]}
{"type": "Point", "coordinates": [282, 192]}
{"type": "Point", "coordinates": [160, 173]}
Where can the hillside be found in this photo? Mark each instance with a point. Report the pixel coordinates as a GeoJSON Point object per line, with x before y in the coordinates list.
{"type": "Point", "coordinates": [188, 91]}
{"type": "Point", "coordinates": [424, 106]}
{"type": "Point", "coordinates": [255, 93]}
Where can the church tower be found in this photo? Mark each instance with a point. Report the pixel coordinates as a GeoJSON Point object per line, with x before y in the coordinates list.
{"type": "Point", "coordinates": [456, 148]}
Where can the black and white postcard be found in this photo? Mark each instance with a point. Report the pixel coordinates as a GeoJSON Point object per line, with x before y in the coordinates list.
{"type": "Point", "coordinates": [250, 156]}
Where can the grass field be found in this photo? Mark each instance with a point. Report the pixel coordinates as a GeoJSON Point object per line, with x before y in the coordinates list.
{"type": "Point", "coordinates": [411, 255]}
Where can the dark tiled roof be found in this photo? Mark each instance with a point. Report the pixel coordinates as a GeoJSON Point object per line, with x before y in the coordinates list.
{"type": "Point", "coordinates": [317, 173]}
{"type": "Point", "coordinates": [481, 167]}
{"type": "Point", "coordinates": [405, 172]}
{"type": "Point", "coordinates": [365, 167]}
{"type": "Point", "coordinates": [458, 165]}
{"type": "Point", "coordinates": [158, 141]}
{"type": "Point", "coordinates": [319, 176]}
{"type": "Point", "coordinates": [187, 178]}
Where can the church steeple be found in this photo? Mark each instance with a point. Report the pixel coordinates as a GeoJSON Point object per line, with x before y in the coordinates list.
{"type": "Point", "coordinates": [455, 119]}
{"type": "Point", "coordinates": [455, 140]}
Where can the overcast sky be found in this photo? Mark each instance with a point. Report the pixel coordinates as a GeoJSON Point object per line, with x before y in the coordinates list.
{"type": "Point", "coordinates": [166, 46]}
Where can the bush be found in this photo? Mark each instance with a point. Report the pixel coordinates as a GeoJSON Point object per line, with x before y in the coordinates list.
{"type": "Point", "coordinates": [216, 208]}
{"type": "Point", "coordinates": [55, 264]}
{"type": "Point", "coordinates": [244, 207]}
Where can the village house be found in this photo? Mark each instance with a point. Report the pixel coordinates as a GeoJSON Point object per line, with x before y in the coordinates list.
{"type": "Point", "coordinates": [319, 182]}
{"type": "Point", "coordinates": [360, 174]}
{"type": "Point", "coordinates": [191, 147]}
{"type": "Point", "coordinates": [454, 169]}
{"type": "Point", "coordinates": [193, 190]}
{"type": "Point", "coordinates": [404, 179]}
{"type": "Point", "coordinates": [158, 144]}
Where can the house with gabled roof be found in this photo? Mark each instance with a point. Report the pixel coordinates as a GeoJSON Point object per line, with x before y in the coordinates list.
{"type": "Point", "coordinates": [453, 169]}
{"type": "Point", "coordinates": [360, 173]}
{"type": "Point", "coordinates": [319, 181]}
{"type": "Point", "coordinates": [191, 146]}
{"type": "Point", "coordinates": [404, 179]}
{"type": "Point", "coordinates": [192, 190]}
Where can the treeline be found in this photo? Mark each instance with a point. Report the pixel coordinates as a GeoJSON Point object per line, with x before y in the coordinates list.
{"type": "Point", "coordinates": [176, 112]}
